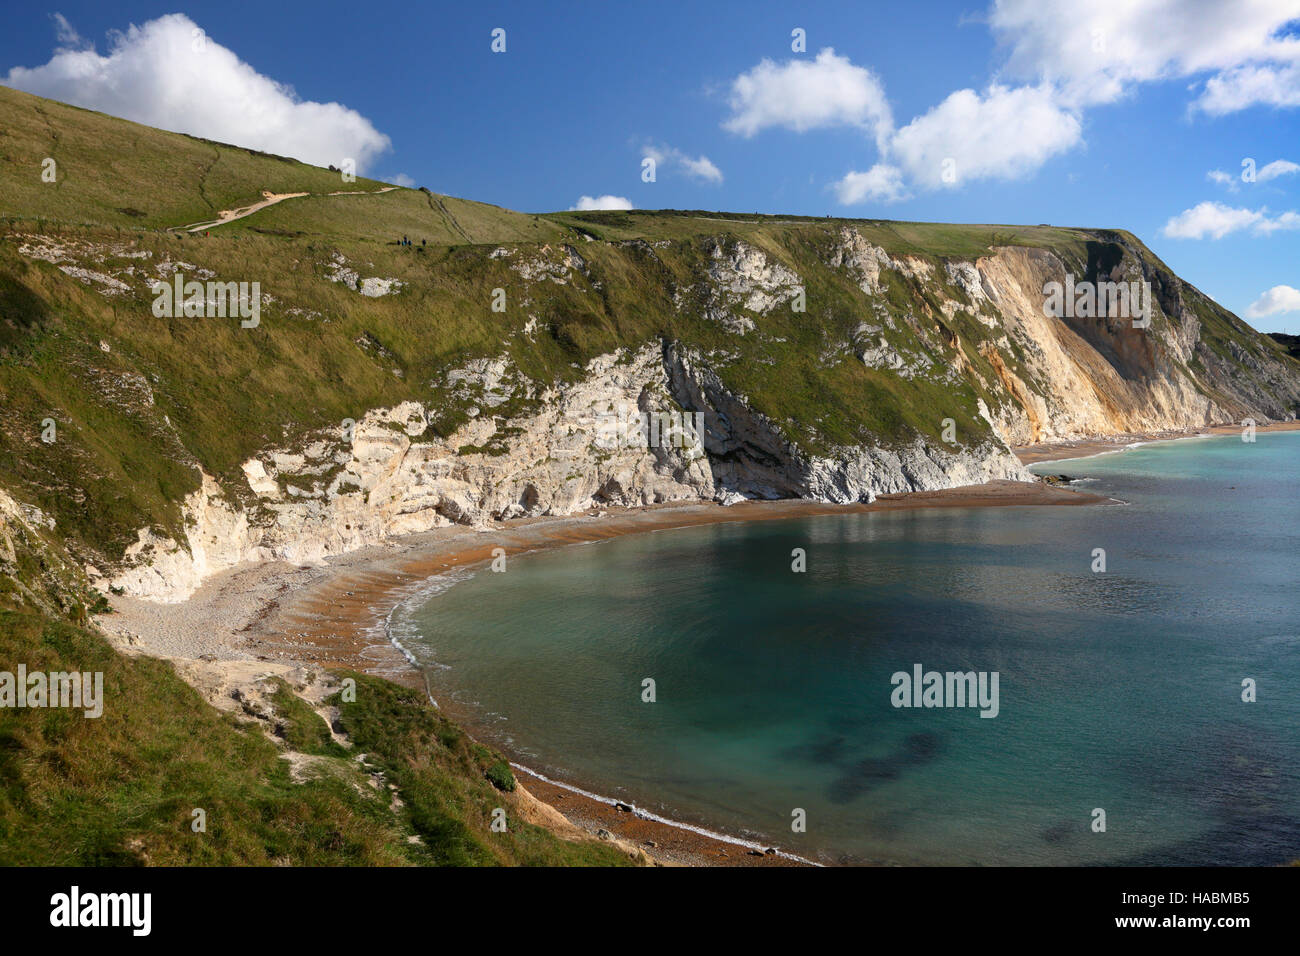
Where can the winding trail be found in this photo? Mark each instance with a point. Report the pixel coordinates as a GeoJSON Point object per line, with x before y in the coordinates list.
{"type": "Point", "coordinates": [268, 199]}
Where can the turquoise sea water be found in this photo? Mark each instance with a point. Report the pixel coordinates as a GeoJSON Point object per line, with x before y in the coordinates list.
{"type": "Point", "coordinates": [1118, 690]}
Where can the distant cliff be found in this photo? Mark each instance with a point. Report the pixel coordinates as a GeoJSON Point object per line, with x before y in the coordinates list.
{"type": "Point", "coordinates": [1289, 342]}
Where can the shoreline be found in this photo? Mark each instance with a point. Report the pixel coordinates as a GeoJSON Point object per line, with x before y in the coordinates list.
{"type": "Point", "coordinates": [1047, 453]}
{"type": "Point", "coordinates": [275, 615]}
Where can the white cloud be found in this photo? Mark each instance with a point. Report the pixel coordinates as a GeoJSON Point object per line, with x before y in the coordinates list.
{"type": "Point", "coordinates": [1094, 52]}
{"type": "Point", "coordinates": [1279, 167]}
{"type": "Point", "coordinates": [1211, 219]}
{"type": "Point", "coordinates": [401, 179]}
{"type": "Point", "coordinates": [1247, 86]}
{"type": "Point", "coordinates": [1003, 134]}
{"type": "Point", "coordinates": [589, 203]}
{"type": "Point", "coordinates": [1223, 179]}
{"type": "Point", "coordinates": [1288, 220]}
{"type": "Point", "coordinates": [1215, 220]}
{"type": "Point", "coordinates": [168, 73]}
{"type": "Point", "coordinates": [68, 37]}
{"type": "Point", "coordinates": [1071, 57]}
{"type": "Point", "coordinates": [802, 94]}
{"type": "Point", "coordinates": [701, 167]}
{"type": "Point", "coordinates": [1280, 298]}
{"type": "Point", "coordinates": [881, 183]}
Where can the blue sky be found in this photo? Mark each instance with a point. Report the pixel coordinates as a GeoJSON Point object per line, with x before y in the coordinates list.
{"type": "Point", "coordinates": [1006, 111]}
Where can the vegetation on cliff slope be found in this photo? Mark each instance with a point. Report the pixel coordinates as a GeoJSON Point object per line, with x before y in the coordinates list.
{"type": "Point", "coordinates": [121, 789]}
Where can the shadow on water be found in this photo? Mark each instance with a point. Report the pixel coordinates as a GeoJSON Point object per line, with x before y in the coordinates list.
{"type": "Point", "coordinates": [1246, 790]}
{"type": "Point", "coordinates": [830, 748]}
{"type": "Point", "coordinates": [1060, 833]}
{"type": "Point", "coordinates": [865, 775]}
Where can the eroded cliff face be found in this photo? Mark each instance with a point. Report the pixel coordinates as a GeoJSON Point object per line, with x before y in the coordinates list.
{"type": "Point", "coordinates": [913, 372]}
{"type": "Point", "coordinates": [1092, 376]}
{"type": "Point", "coordinates": [1074, 376]}
{"type": "Point", "coordinates": [588, 447]}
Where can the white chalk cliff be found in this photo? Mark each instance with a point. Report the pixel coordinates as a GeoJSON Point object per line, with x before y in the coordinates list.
{"type": "Point", "coordinates": [388, 474]}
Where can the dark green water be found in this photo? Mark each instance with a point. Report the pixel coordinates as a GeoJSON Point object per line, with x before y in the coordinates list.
{"type": "Point", "coordinates": [1118, 690]}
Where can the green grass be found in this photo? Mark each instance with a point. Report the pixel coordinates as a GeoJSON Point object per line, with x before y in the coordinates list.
{"type": "Point", "coordinates": [388, 217]}
{"type": "Point", "coordinates": [450, 784]}
{"type": "Point", "coordinates": [111, 172]}
{"type": "Point", "coordinates": [929, 239]}
{"type": "Point", "coordinates": [299, 726]}
{"type": "Point", "coordinates": [120, 790]}
{"type": "Point", "coordinates": [117, 173]}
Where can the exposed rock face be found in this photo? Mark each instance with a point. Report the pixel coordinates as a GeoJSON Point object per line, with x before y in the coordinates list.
{"type": "Point", "coordinates": [748, 456]}
{"type": "Point", "coordinates": [859, 256]}
{"type": "Point", "coordinates": [657, 420]}
{"type": "Point", "coordinates": [53, 583]}
{"type": "Point", "coordinates": [372, 287]}
{"type": "Point", "coordinates": [742, 277]}
{"type": "Point", "coordinates": [386, 475]}
{"type": "Point", "coordinates": [1096, 376]}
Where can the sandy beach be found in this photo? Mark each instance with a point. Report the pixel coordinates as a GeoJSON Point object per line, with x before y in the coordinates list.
{"type": "Point", "coordinates": [283, 618]}
{"type": "Point", "coordinates": [1087, 447]}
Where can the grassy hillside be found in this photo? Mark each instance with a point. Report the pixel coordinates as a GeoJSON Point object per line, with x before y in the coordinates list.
{"type": "Point", "coordinates": [936, 239]}
{"type": "Point", "coordinates": [386, 218]}
{"type": "Point", "coordinates": [111, 172]}
{"type": "Point", "coordinates": [121, 789]}
{"type": "Point", "coordinates": [1289, 342]}
{"type": "Point", "coordinates": [116, 173]}
{"type": "Point", "coordinates": [131, 421]}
